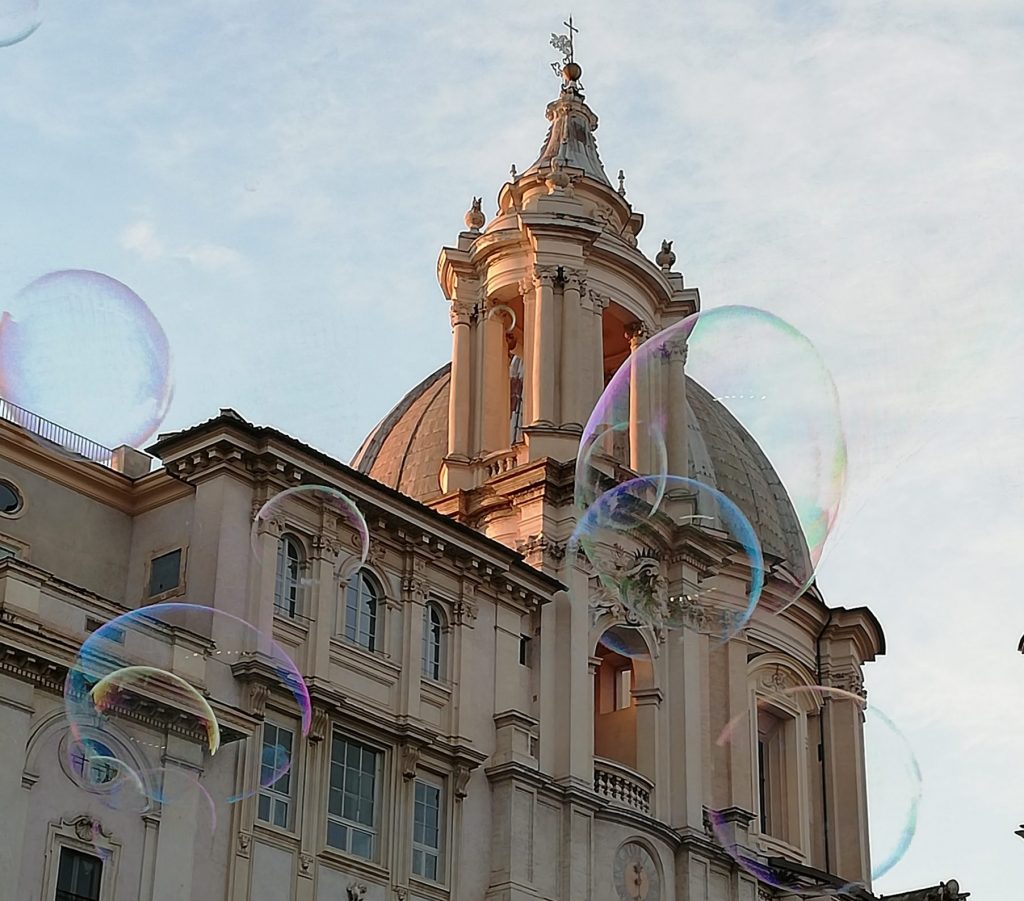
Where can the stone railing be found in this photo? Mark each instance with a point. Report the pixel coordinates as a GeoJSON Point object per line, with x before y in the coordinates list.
{"type": "Point", "coordinates": [501, 461]}
{"type": "Point", "coordinates": [621, 785]}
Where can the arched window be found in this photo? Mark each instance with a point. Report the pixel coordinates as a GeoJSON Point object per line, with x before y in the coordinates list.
{"type": "Point", "coordinates": [433, 642]}
{"type": "Point", "coordinates": [362, 598]}
{"type": "Point", "coordinates": [288, 587]}
{"type": "Point", "coordinates": [515, 381]}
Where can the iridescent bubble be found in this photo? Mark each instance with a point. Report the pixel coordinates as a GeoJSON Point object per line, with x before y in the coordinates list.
{"type": "Point", "coordinates": [892, 812]}
{"type": "Point", "coordinates": [155, 684]}
{"type": "Point", "coordinates": [223, 648]}
{"type": "Point", "coordinates": [82, 350]}
{"type": "Point", "coordinates": [619, 529]}
{"type": "Point", "coordinates": [18, 20]}
{"type": "Point", "coordinates": [750, 375]}
{"type": "Point", "coordinates": [318, 502]}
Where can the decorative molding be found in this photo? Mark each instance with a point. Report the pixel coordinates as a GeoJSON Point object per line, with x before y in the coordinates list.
{"type": "Point", "coordinates": [244, 843]}
{"type": "Point", "coordinates": [544, 276]}
{"type": "Point", "coordinates": [401, 892]}
{"type": "Point", "coordinates": [356, 891]}
{"type": "Point", "coordinates": [575, 278]}
{"type": "Point", "coordinates": [460, 782]}
{"type": "Point", "coordinates": [847, 678]}
{"type": "Point", "coordinates": [306, 865]}
{"type": "Point", "coordinates": [776, 679]}
{"type": "Point", "coordinates": [319, 724]}
{"type": "Point", "coordinates": [539, 547]}
{"type": "Point", "coordinates": [410, 756]}
{"type": "Point", "coordinates": [464, 613]}
{"type": "Point", "coordinates": [462, 312]}
{"type": "Point", "coordinates": [673, 350]}
{"type": "Point", "coordinates": [259, 694]}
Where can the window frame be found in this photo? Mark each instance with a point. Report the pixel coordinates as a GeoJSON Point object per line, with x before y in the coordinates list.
{"type": "Point", "coordinates": [273, 794]}
{"type": "Point", "coordinates": [622, 688]}
{"type": "Point", "coordinates": [438, 853]}
{"type": "Point", "coordinates": [75, 852]}
{"type": "Point", "coordinates": [284, 581]}
{"type": "Point", "coordinates": [176, 589]}
{"type": "Point", "coordinates": [78, 834]}
{"type": "Point", "coordinates": [434, 666]}
{"type": "Point", "coordinates": [373, 830]}
{"type": "Point", "coordinates": [19, 496]}
{"type": "Point", "coordinates": [363, 612]}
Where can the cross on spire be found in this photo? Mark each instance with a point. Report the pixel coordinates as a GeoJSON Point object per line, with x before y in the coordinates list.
{"type": "Point", "coordinates": [572, 30]}
{"type": "Point", "coordinates": [564, 44]}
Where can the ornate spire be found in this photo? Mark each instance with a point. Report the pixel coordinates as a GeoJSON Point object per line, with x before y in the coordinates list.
{"type": "Point", "coordinates": [571, 135]}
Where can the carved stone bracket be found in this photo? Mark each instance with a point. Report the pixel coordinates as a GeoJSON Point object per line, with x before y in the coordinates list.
{"type": "Point", "coordinates": [244, 843]}
{"type": "Point", "coordinates": [465, 613]}
{"type": "Point", "coordinates": [318, 724]}
{"type": "Point", "coordinates": [461, 782]}
{"type": "Point", "coordinates": [306, 865]}
{"type": "Point", "coordinates": [356, 891]}
{"type": "Point", "coordinates": [259, 693]}
{"type": "Point", "coordinates": [410, 761]}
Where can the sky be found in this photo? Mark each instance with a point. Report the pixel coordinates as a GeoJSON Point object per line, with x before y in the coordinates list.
{"type": "Point", "coordinates": [275, 180]}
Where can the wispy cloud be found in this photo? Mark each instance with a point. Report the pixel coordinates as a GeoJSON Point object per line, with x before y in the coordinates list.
{"type": "Point", "coordinates": [141, 238]}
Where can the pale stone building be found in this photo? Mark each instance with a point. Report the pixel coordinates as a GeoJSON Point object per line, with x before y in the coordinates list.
{"type": "Point", "coordinates": [472, 738]}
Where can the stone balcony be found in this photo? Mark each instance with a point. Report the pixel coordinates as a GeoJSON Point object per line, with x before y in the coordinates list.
{"type": "Point", "coordinates": [622, 786]}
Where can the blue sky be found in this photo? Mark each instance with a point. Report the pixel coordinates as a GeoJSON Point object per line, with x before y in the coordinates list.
{"type": "Point", "coordinates": [276, 180]}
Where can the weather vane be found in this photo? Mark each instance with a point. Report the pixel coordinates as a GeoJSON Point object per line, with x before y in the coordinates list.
{"type": "Point", "coordinates": [564, 44]}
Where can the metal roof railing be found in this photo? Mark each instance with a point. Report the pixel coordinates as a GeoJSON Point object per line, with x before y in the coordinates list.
{"type": "Point", "coordinates": [56, 434]}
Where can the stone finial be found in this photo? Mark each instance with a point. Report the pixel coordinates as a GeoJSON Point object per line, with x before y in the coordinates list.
{"type": "Point", "coordinates": [474, 216]}
{"type": "Point", "coordinates": [513, 172]}
{"type": "Point", "coordinates": [558, 180]}
{"type": "Point", "coordinates": [665, 258]}
{"type": "Point", "coordinates": [622, 183]}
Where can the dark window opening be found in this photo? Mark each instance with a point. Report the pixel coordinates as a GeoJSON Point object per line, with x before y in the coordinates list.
{"type": "Point", "coordinates": [78, 876]}
{"type": "Point", "coordinates": [10, 500]}
{"type": "Point", "coordinates": [164, 573]}
{"type": "Point", "coordinates": [762, 786]}
{"type": "Point", "coordinates": [524, 650]}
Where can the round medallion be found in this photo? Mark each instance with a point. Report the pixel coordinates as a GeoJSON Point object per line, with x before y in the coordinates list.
{"type": "Point", "coordinates": [636, 874]}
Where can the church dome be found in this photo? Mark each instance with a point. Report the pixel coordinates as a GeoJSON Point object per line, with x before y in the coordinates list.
{"type": "Point", "coordinates": [406, 448]}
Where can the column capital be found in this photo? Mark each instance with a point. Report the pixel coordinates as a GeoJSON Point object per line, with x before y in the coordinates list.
{"type": "Point", "coordinates": [544, 276]}
{"type": "Point", "coordinates": [595, 301]}
{"type": "Point", "coordinates": [461, 312]}
{"type": "Point", "coordinates": [575, 279]}
{"type": "Point", "coordinates": [673, 350]}
{"type": "Point", "coordinates": [637, 332]}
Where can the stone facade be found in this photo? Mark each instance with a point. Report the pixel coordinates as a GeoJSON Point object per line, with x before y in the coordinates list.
{"type": "Point", "coordinates": [556, 767]}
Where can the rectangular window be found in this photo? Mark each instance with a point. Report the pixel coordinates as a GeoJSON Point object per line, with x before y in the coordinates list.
{"type": "Point", "coordinates": [762, 784]}
{"type": "Point", "coordinates": [78, 876]}
{"type": "Point", "coordinates": [164, 573]}
{"type": "Point", "coordinates": [426, 832]}
{"type": "Point", "coordinates": [275, 797]}
{"type": "Point", "coordinates": [352, 798]}
{"type": "Point", "coordinates": [524, 650]}
{"type": "Point", "coordinates": [623, 688]}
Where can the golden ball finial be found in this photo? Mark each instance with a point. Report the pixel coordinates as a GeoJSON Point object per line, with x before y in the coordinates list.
{"type": "Point", "coordinates": [572, 71]}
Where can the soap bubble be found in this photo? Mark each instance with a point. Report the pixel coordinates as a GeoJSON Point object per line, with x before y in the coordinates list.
{"type": "Point", "coordinates": [190, 650]}
{"type": "Point", "coordinates": [82, 350]}
{"type": "Point", "coordinates": [756, 388]}
{"type": "Point", "coordinates": [156, 685]}
{"type": "Point", "coordinates": [319, 504]}
{"type": "Point", "coordinates": [891, 812]}
{"type": "Point", "coordinates": [18, 20]}
{"type": "Point", "coordinates": [619, 529]}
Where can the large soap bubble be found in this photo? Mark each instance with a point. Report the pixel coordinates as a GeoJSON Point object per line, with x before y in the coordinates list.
{"type": "Point", "coordinates": [758, 389]}
{"type": "Point", "coordinates": [82, 350]}
{"type": "Point", "coordinates": [892, 803]}
{"type": "Point", "coordinates": [18, 20]}
{"type": "Point", "coordinates": [619, 527]}
{"type": "Point", "coordinates": [322, 501]}
{"type": "Point", "coordinates": [191, 652]}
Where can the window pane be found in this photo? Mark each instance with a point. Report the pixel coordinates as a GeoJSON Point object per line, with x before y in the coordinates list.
{"type": "Point", "coordinates": [362, 843]}
{"type": "Point", "coordinates": [280, 813]}
{"type": "Point", "coordinates": [431, 867]}
{"type": "Point", "coordinates": [163, 573]}
{"type": "Point", "coordinates": [79, 874]}
{"type": "Point", "coordinates": [264, 808]}
{"type": "Point", "coordinates": [337, 835]}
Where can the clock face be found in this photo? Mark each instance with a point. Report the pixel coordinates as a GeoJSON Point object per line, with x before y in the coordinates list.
{"type": "Point", "coordinates": [636, 876]}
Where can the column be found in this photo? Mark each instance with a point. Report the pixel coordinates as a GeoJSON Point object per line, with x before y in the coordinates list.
{"type": "Point", "coordinates": [596, 305]}
{"type": "Point", "coordinates": [497, 411]}
{"type": "Point", "coordinates": [176, 839]}
{"type": "Point", "coordinates": [574, 373]}
{"type": "Point", "coordinates": [461, 380]}
{"type": "Point", "coordinates": [673, 354]}
{"type": "Point", "coordinates": [639, 403]}
{"type": "Point", "coordinates": [648, 733]}
{"type": "Point", "coordinates": [529, 292]}
{"type": "Point", "coordinates": [16, 706]}
{"type": "Point", "coordinates": [542, 365]}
